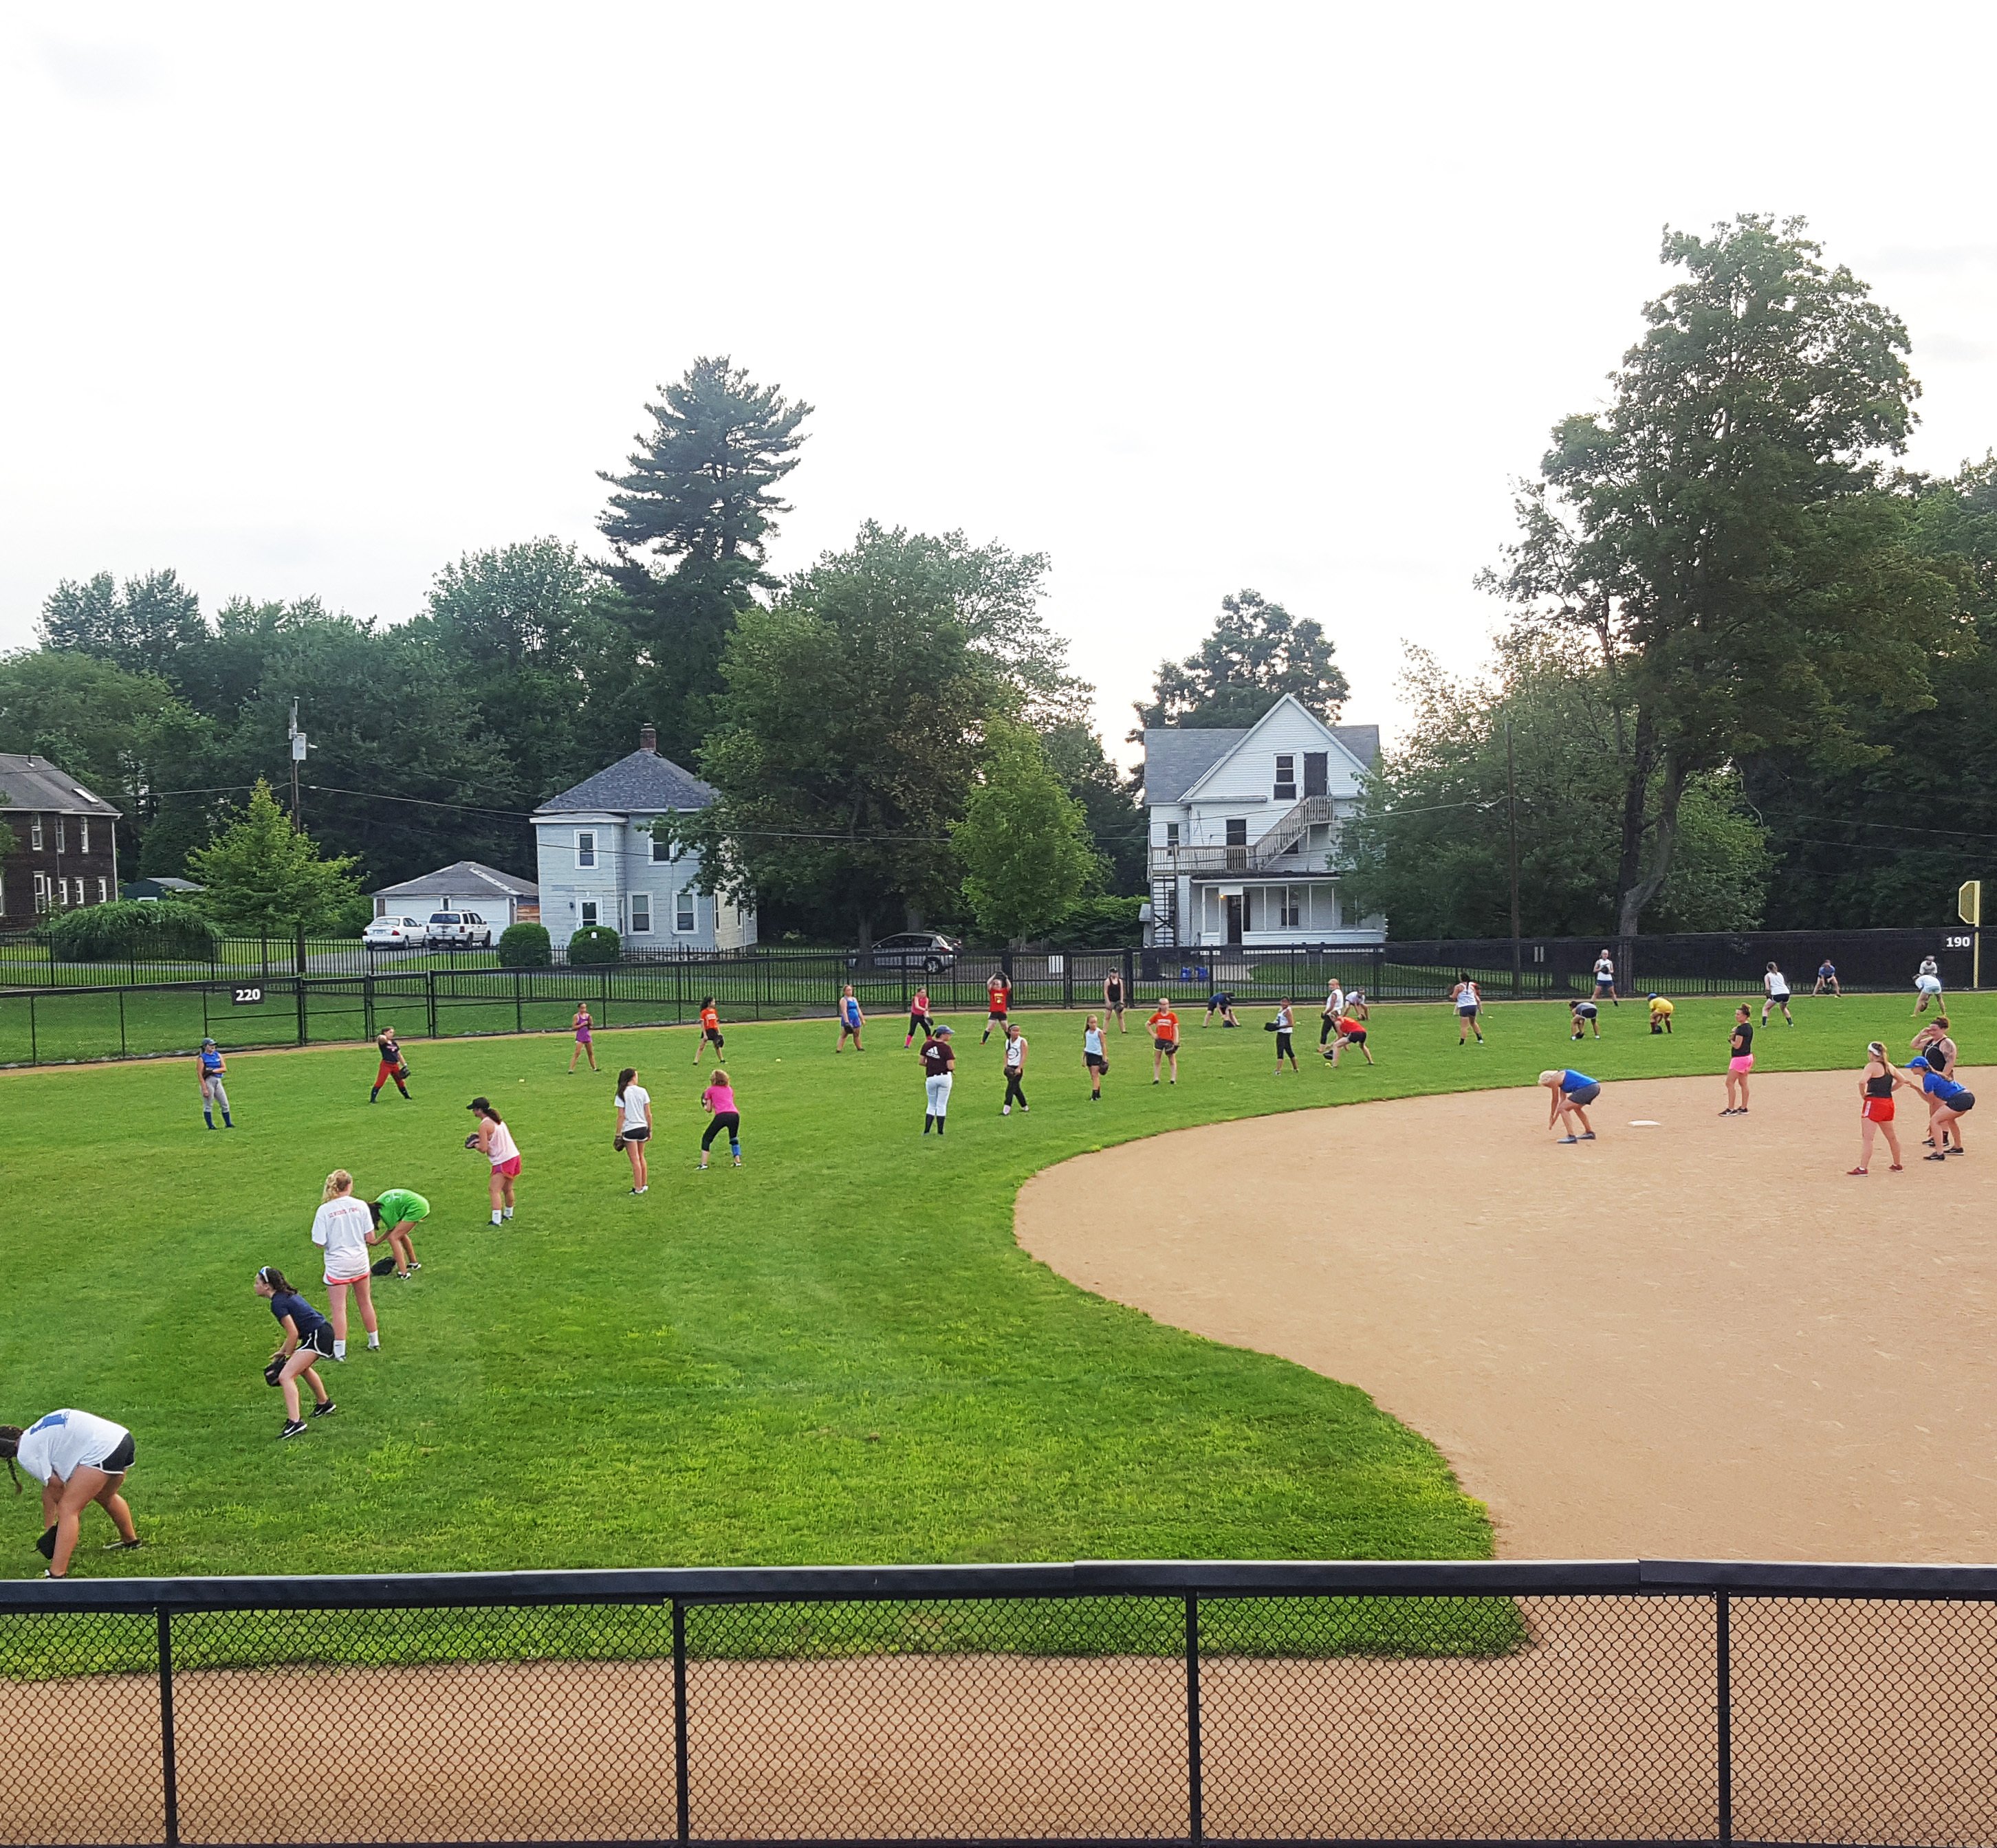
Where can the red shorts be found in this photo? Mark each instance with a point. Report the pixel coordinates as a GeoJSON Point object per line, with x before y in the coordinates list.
{"type": "Point", "coordinates": [508, 1169]}
{"type": "Point", "coordinates": [1879, 1110]}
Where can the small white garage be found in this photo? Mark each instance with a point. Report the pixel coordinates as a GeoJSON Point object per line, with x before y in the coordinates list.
{"type": "Point", "coordinates": [464, 885]}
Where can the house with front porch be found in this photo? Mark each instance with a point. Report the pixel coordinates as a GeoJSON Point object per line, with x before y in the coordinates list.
{"type": "Point", "coordinates": [1244, 826]}
{"type": "Point", "coordinates": [600, 863]}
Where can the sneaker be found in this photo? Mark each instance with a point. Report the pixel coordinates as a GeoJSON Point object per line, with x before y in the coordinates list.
{"type": "Point", "coordinates": [1588, 1135]}
{"type": "Point", "coordinates": [1567, 1139]}
{"type": "Point", "coordinates": [1006, 1111]}
{"type": "Point", "coordinates": [414, 1268]}
{"type": "Point", "coordinates": [122, 1546]}
{"type": "Point", "coordinates": [646, 1189]}
{"type": "Point", "coordinates": [294, 1427]}
{"type": "Point", "coordinates": [325, 1411]}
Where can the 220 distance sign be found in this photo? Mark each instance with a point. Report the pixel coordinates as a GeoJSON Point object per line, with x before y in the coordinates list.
{"type": "Point", "coordinates": [250, 997]}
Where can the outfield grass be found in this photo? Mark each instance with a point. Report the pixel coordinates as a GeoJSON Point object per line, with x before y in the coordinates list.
{"type": "Point", "coordinates": [836, 1354]}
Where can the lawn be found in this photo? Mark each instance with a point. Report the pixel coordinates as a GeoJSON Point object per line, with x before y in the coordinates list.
{"type": "Point", "coordinates": [837, 1353]}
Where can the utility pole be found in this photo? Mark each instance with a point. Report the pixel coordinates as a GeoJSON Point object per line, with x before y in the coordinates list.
{"type": "Point", "coordinates": [1511, 816]}
{"type": "Point", "coordinates": [298, 748]}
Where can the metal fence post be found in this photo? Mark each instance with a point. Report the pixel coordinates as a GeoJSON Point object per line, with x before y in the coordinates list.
{"type": "Point", "coordinates": [298, 983]}
{"type": "Point", "coordinates": [124, 1050]}
{"type": "Point", "coordinates": [681, 1811]}
{"type": "Point", "coordinates": [1196, 1797]}
{"type": "Point", "coordinates": [1723, 1612]}
{"type": "Point", "coordinates": [519, 1020]}
{"type": "Point", "coordinates": [429, 997]}
{"type": "Point", "coordinates": [367, 1003]}
{"type": "Point", "coordinates": [169, 1768]}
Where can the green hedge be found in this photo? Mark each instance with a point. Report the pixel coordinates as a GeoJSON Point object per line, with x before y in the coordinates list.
{"type": "Point", "coordinates": [595, 943]}
{"type": "Point", "coordinates": [162, 928]}
{"type": "Point", "coordinates": [525, 946]}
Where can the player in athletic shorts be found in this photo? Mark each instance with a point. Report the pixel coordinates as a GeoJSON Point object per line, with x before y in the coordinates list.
{"type": "Point", "coordinates": [1094, 1061]}
{"type": "Point", "coordinates": [1948, 1104]}
{"type": "Point", "coordinates": [1573, 1091]}
{"type": "Point", "coordinates": [78, 1458]}
{"type": "Point", "coordinates": [1164, 1025]}
{"type": "Point", "coordinates": [918, 1017]}
{"type": "Point", "coordinates": [1112, 1000]}
{"type": "Point", "coordinates": [495, 1141]}
{"type": "Point", "coordinates": [851, 1021]}
{"type": "Point", "coordinates": [308, 1339]}
{"type": "Point", "coordinates": [1585, 1014]}
{"type": "Point", "coordinates": [1875, 1106]}
{"type": "Point", "coordinates": [1334, 1005]}
{"type": "Point", "coordinates": [999, 1002]}
{"type": "Point", "coordinates": [632, 1136]}
{"type": "Point", "coordinates": [1605, 979]}
{"type": "Point", "coordinates": [343, 1228]}
{"type": "Point", "coordinates": [1777, 986]}
{"type": "Point", "coordinates": [395, 1214]}
{"type": "Point", "coordinates": [710, 1030]}
{"type": "Point", "coordinates": [393, 1067]}
{"type": "Point", "coordinates": [1222, 1003]}
{"type": "Point", "coordinates": [1928, 984]}
{"type": "Point", "coordinates": [1661, 1012]}
{"type": "Point", "coordinates": [1826, 979]}
{"type": "Point", "coordinates": [584, 1043]}
{"type": "Point", "coordinates": [939, 1069]}
{"type": "Point", "coordinates": [1350, 1032]}
{"type": "Point", "coordinates": [1740, 1061]}
{"type": "Point", "coordinates": [1467, 1001]}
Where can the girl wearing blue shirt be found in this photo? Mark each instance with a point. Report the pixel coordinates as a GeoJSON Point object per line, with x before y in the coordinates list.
{"type": "Point", "coordinates": [212, 1066]}
{"type": "Point", "coordinates": [1572, 1092]}
{"type": "Point", "coordinates": [1948, 1104]}
{"type": "Point", "coordinates": [307, 1339]}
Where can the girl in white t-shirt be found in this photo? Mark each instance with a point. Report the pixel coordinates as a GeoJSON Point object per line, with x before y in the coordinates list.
{"type": "Point", "coordinates": [341, 1227]}
{"type": "Point", "coordinates": [634, 1124]}
{"type": "Point", "coordinates": [1777, 986]}
{"type": "Point", "coordinates": [1929, 985]}
{"type": "Point", "coordinates": [1467, 1000]}
{"type": "Point", "coordinates": [78, 1458]}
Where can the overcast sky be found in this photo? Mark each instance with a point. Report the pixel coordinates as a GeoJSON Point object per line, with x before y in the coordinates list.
{"type": "Point", "coordinates": [312, 300]}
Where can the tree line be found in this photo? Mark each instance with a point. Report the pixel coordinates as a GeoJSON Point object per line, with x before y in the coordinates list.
{"type": "Point", "coordinates": [894, 730]}
{"type": "Point", "coordinates": [1747, 675]}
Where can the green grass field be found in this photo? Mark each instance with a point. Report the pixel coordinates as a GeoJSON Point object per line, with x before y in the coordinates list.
{"type": "Point", "coordinates": [836, 1354]}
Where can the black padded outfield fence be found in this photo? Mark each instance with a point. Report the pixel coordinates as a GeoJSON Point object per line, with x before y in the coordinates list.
{"type": "Point", "coordinates": [1617, 1702]}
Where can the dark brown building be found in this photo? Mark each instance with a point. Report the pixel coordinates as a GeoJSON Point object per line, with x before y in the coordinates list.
{"type": "Point", "coordinates": [65, 843]}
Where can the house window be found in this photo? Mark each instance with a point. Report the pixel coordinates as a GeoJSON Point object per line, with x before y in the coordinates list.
{"type": "Point", "coordinates": [1286, 779]}
{"type": "Point", "coordinates": [1171, 837]}
{"type": "Point", "coordinates": [641, 914]}
{"type": "Point", "coordinates": [83, 836]}
{"type": "Point", "coordinates": [62, 893]}
{"type": "Point", "coordinates": [62, 836]}
{"type": "Point", "coordinates": [35, 833]}
{"type": "Point", "coordinates": [586, 847]}
{"type": "Point", "coordinates": [103, 892]}
{"type": "Point", "coordinates": [1291, 900]}
{"type": "Point", "coordinates": [683, 915]}
{"type": "Point", "coordinates": [662, 849]}
{"type": "Point", "coordinates": [1237, 833]}
{"type": "Point", "coordinates": [588, 913]}
{"type": "Point", "coordinates": [42, 893]}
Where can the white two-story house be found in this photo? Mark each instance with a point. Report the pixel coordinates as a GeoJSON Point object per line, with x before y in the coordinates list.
{"type": "Point", "coordinates": [600, 863]}
{"type": "Point", "coordinates": [1244, 830]}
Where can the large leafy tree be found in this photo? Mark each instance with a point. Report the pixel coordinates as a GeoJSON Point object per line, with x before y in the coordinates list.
{"type": "Point", "coordinates": [1430, 846]}
{"type": "Point", "coordinates": [1726, 534]}
{"type": "Point", "coordinates": [687, 521]}
{"type": "Point", "coordinates": [1257, 653]}
{"type": "Point", "coordinates": [262, 877]}
{"type": "Point", "coordinates": [1118, 827]}
{"type": "Point", "coordinates": [851, 729]}
{"type": "Point", "coordinates": [1023, 841]}
{"type": "Point", "coordinates": [141, 626]}
{"type": "Point", "coordinates": [1889, 840]}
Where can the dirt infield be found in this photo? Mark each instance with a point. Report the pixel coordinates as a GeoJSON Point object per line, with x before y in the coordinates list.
{"type": "Point", "coordinates": [1697, 1340]}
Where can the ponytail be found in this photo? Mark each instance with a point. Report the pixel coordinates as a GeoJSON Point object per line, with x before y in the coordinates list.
{"type": "Point", "coordinates": [623, 1078]}
{"type": "Point", "coordinates": [337, 1183]}
{"type": "Point", "coordinates": [277, 1280]}
{"type": "Point", "coordinates": [10, 1443]}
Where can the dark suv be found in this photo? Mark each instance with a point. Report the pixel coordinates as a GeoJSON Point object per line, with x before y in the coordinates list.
{"type": "Point", "coordinates": [920, 952]}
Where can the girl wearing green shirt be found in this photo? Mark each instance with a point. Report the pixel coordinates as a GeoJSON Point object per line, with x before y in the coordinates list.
{"type": "Point", "coordinates": [397, 1210]}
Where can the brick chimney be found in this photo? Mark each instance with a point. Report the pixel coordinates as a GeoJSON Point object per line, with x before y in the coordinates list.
{"type": "Point", "coordinates": [648, 739]}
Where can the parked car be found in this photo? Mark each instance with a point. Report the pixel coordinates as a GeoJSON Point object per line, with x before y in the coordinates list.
{"type": "Point", "coordinates": [392, 933]}
{"type": "Point", "coordinates": [924, 952]}
{"type": "Point", "coordinates": [457, 930]}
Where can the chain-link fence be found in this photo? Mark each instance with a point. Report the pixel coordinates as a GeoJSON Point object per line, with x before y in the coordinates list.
{"type": "Point", "coordinates": [1480, 1702]}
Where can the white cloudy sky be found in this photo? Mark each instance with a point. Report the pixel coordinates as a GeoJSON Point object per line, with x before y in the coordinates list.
{"type": "Point", "coordinates": [314, 299]}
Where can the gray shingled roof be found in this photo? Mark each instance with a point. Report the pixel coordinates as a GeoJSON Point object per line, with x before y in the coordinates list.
{"type": "Point", "coordinates": [1362, 740]}
{"type": "Point", "coordinates": [1176, 758]}
{"type": "Point", "coordinates": [642, 783]}
{"type": "Point", "coordinates": [31, 783]}
{"type": "Point", "coordinates": [462, 876]}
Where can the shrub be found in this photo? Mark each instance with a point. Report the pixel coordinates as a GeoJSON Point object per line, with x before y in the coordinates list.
{"type": "Point", "coordinates": [595, 943]}
{"type": "Point", "coordinates": [528, 946]}
{"type": "Point", "coordinates": [129, 927]}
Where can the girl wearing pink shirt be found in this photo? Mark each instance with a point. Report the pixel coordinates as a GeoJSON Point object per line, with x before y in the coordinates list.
{"type": "Point", "coordinates": [719, 1099]}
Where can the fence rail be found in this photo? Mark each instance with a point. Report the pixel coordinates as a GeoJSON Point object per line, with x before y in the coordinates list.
{"type": "Point", "coordinates": [448, 998]}
{"type": "Point", "coordinates": [1617, 1700]}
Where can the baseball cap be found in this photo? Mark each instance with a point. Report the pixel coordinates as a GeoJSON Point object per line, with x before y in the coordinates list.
{"type": "Point", "coordinates": [207, 1042]}
{"type": "Point", "coordinates": [1919, 1065]}
{"type": "Point", "coordinates": [943, 1032]}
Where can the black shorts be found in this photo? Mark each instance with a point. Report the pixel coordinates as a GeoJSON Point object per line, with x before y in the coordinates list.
{"type": "Point", "coordinates": [1962, 1103]}
{"type": "Point", "coordinates": [1584, 1095]}
{"type": "Point", "coordinates": [642, 1133]}
{"type": "Point", "coordinates": [1166, 1045]}
{"type": "Point", "coordinates": [1354, 1039]}
{"type": "Point", "coordinates": [711, 1034]}
{"type": "Point", "coordinates": [1466, 1013]}
{"type": "Point", "coordinates": [319, 1341]}
{"type": "Point", "coordinates": [999, 1015]}
{"type": "Point", "coordinates": [1114, 999]}
{"type": "Point", "coordinates": [1602, 985]}
{"type": "Point", "coordinates": [120, 1459]}
{"type": "Point", "coordinates": [1095, 1061]}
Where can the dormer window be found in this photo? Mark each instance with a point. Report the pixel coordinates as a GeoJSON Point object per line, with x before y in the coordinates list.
{"type": "Point", "coordinates": [1286, 778]}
